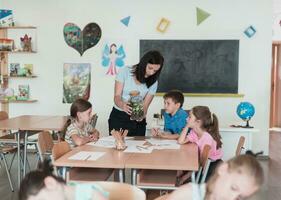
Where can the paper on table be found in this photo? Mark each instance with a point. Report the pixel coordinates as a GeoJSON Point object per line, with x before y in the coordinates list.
{"type": "Point", "coordinates": [86, 155]}
{"type": "Point", "coordinates": [111, 138]}
{"type": "Point", "coordinates": [137, 149]}
{"type": "Point", "coordinates": [103, 143]}
{"type": "Point", "coordinates": [163, 144]}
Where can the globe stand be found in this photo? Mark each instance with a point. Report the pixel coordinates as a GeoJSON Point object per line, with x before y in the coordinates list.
{"type": "Point", "coordinates": [247, 124]}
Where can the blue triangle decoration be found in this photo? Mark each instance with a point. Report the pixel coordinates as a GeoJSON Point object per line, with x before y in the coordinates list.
{"type": "Point", "coordinates": [126, 20]}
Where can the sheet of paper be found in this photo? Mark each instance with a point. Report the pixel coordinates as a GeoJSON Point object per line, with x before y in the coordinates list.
{"type": "Point", "coordinates": [103, 143]}
{"type": "Point", "coordinates": [138, 149]}
{"type": "Point", "coordinates": [111, 138]}
{"type": "Point", "coordinates": [86, 155]}
{"type": "Point", "coordinates": [163, 143]}
{"type": "Point", "coordinates": [134, 142]}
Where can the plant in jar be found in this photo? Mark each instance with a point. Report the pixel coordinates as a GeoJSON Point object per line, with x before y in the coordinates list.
{"type": "Point", "coordinates": [136, 102]}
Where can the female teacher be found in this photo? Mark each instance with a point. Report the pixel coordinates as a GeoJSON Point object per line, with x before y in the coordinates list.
{"type": "Point", "coordinates": [141, 77]}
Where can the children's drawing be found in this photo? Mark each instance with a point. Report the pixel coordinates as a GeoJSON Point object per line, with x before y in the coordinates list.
{"type": "Point", "coordinates": [76, 81]}
{"type": "Point", "coordinates": [113, 56]}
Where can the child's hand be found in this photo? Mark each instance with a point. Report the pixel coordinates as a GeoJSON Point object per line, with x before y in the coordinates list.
{"type": "Point", "coordinates": [95, 135]}
{"type": "Point", "coordinates": [155, 132]}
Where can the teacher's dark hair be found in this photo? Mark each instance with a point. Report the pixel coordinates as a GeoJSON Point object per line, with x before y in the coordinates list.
{"type": "Point", "coordinates": [33, 182]}
{"type": "Point", "coordinates": [151, 57]}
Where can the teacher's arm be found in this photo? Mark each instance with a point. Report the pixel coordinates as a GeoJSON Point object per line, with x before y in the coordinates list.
{"type": "Point", "coordinates": [118, 100]}
{"type": "Point", "coordinates": [147, 101]}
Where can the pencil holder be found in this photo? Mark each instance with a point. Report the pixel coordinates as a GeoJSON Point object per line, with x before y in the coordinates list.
{"type": "Point", "coordinates": [120, 144]}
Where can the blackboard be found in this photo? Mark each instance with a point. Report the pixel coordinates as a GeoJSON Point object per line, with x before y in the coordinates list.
{"type": "Point", "coordinates": [197, 66]}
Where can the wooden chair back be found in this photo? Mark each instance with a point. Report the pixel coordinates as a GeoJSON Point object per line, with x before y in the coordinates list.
{"type": "Point", "coordinates": [122, 191]}
{"type": "Point", "coordinates": [4, 115]}
{"type": "Point", "coordinates": [204, 164]}
{"type": "Point", "coordinates": [45, 144]}
{"type": "Point", "coordinates": [59, 149]}
{"type": "Point", "coordinates": [240, 146]}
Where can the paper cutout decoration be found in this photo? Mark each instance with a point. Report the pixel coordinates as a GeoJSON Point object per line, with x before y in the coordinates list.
{"type": "Point", "coordinates": [163, 25]}
{"type": "Point", "coordinates": [202, 15]}
{"type": "Point", "coordinates": [126, 20]}
{"type": "Point", "coordinates": [81, 40]}
{"type": "Point", "coordinates": [113, 56]}
{"type": "Point", "coordinates": [250, 31]}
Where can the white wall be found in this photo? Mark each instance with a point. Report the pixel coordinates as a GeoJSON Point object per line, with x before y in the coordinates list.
{"type": "Point", "coordinates": [228, 21]}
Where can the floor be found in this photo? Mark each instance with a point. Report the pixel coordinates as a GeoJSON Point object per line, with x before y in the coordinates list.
{"type": "Point", "coordinates": [271, 190]}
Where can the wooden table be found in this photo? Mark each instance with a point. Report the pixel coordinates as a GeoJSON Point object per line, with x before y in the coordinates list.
{"type": "Point", "coordinates": [24, 124]}
{"type": "Point", "coordinates": [185, 158]}
{"type": "Point", "coordinates": [112, 159]}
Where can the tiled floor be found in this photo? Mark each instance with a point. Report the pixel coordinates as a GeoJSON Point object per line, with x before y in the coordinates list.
{"type": "Point", "coordinates": [270, 191]}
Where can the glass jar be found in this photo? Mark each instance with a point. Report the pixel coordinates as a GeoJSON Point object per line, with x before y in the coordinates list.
{"type": "Point", "coordinates": [136, 102]}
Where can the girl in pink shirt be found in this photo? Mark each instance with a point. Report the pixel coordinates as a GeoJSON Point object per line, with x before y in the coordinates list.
{"type": "Point", "coordinates": [204, 131]}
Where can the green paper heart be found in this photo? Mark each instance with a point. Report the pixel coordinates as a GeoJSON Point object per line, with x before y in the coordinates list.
{"type": "Point", "coordinates": [81, 40]}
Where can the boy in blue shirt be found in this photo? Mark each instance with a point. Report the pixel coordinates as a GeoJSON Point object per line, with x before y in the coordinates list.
{"type": "Point", "coordinates": [174, 116]}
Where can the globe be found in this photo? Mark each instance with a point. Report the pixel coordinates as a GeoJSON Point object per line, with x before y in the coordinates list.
{"type": "Point", "coordinates": [245, 111]}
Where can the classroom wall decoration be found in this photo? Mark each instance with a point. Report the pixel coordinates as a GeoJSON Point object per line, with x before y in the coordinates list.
{"type": "Point", "coordinates": [82, 40]}
{"type": "Point", "coordinates": [76, 81]}
{"type": "Point", "coordinates": [126, 21]}
{"type": "Point", "coordinates": [202, 15]}
{"type": "Point", "coordinates": [250, 31]}
{"type": "Point", "coordinates": [113, 56]}
{"type": "Point", "coordinates": [163, 25]}
{"type": "Point", "coordinates": [197, 66]}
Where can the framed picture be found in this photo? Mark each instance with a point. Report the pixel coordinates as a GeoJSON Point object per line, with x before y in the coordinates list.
{"type": "Point", "coordinates": [163, 25]}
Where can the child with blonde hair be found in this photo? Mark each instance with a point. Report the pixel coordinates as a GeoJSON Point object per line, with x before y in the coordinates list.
{"type": "Point", "coordinates": [236, 179]}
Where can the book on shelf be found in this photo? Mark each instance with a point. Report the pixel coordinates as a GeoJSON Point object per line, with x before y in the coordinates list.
{"type": "Point", "coordinates": [14, 68]}
{"type": "Point", "coordinates": [6, 18]}
{"type": "Point", "coordinates": [24, 92]}
{"type": "Point", "coordinates": [29, 69]}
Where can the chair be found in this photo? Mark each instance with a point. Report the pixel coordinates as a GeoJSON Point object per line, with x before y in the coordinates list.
{"type": "Point", "coordinates": [204, 165]}
{"type": "Point", "coordinates": [240, 146]}
{"type": "Point", "coordinates": [79, 174]}
{"type": "Point", "coordinates": [122, 191]}
{"type": "Point", "coordinates": [45, 144]}
{"type": "Point", "coordinates": [4, 149]}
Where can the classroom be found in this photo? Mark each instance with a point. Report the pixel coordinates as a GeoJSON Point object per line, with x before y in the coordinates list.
{"type": "Point", "coordinates": [219, 54]}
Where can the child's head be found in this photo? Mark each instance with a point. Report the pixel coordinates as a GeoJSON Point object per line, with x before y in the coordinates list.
{"type": "Point", "coordinates": [81, 110]}
{"type": "Point", "coordinates": [201, 117]}
{"type": "Point", "coordinates": [236, 179]}
{"type": "Point", "coordinates": [42, 184]}
{"type": "Point", "coordinates": [173, 100]}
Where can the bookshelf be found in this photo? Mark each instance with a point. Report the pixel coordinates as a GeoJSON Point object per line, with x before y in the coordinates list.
{"type": "Point", "coordinates": [4, 68]}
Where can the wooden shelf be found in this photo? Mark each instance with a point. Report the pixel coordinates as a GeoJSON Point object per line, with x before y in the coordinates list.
{"type": "Point", "coordinates": [18, 52]}
{"type": "Point", "coordinates": [19, 101]}
{"type": "Point", "coordinates": [7, 77]}
{"type": "Point", "coordinates": [18, 27]}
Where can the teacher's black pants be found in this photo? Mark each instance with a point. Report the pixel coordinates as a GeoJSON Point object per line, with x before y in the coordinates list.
{"type": "Point", "coordinates": [119, 119]}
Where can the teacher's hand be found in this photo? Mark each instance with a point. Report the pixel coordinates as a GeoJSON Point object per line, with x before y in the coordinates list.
{"type": "Point", "coordinates": [127, 108]}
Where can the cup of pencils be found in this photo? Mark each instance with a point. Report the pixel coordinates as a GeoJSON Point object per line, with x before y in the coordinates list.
{"type": "Point", "coordinates": [119, 137]}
